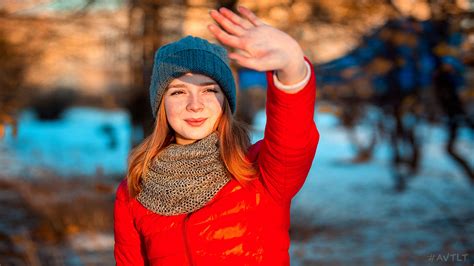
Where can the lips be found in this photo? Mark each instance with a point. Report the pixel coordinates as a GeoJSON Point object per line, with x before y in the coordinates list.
{"type": "Point", "coordinates": [195, 122]}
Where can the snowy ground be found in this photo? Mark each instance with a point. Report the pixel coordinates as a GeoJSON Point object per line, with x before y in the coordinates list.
{"type": "Point", "coordinates": [346, 214]}
{"type": "Point", "coordinates": [351, 215]}
{"type": "Point", "coordinates": [86, 141]}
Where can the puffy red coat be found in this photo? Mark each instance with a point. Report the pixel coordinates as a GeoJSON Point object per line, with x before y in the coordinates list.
{"type": "Point", "coordinates": [240, 225]}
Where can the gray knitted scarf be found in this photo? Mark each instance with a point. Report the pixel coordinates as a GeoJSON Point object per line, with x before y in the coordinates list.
{"type": "Point", "coordinates": [183, 178]}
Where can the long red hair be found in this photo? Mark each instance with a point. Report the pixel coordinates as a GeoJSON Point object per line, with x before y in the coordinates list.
{"type": "Point", "coordinates": [233, 138]}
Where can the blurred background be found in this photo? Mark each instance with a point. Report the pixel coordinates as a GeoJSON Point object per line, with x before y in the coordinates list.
{"type": "Point", "coordinates": [392, 182]}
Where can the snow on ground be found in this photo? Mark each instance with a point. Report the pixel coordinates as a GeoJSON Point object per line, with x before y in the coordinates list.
{"type": "Point", "coordinates": [345, 214]}
{"type": "Point", "coordinates": [86, 141]}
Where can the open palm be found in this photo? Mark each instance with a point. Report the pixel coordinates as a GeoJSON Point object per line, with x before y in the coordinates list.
{"type": "Point", "coordinates": [257, 46]}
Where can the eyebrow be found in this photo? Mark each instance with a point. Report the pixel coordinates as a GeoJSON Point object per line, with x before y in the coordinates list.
{"type": "Point", "coordinates": [181, 85]}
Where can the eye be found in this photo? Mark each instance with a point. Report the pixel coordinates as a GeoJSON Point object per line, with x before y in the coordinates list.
{"type": "Point", "coordinates": [176, 92]}
{"type": "Point", "coordinates": [213, 90]}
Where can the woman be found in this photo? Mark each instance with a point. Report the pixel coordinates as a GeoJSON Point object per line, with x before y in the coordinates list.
{"type": "Point", "coordinates": [196, 192]}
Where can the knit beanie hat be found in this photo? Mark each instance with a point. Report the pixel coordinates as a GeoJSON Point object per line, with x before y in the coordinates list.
{"type": "Point", "coordinates": [195, 55]}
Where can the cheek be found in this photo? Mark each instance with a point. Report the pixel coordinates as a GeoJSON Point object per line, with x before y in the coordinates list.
{"type": "Point", "coordinates": [171, 110]}
{"type": "Point", "coordinates": [218, 103]}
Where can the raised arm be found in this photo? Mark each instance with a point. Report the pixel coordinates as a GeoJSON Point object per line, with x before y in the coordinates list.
{"type": "Point", "coordinates": [288, 148]}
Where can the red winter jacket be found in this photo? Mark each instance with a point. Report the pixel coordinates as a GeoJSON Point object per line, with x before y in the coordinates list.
{"type": "Point", "coordinates": [240, 225]}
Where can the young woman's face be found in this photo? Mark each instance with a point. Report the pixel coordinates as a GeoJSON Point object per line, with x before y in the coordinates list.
{"type": "Point", "coordinates": [193, 105]}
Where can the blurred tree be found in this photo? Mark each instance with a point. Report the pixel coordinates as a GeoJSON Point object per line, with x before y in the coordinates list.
{"type": "Point", "coordinates": [449, 81]}
{"type": "Point", "coordinates": [21, 49]}
{"type": "Point", "coordinates": [12, 68]}
{"type": "Point", "coordinates": [405, 60]}
{"type": "Point", "coordinates": [145, 37]}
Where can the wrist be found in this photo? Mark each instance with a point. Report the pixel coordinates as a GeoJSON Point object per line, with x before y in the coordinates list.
{"type": "Point", "coordinates": [295, 87]}
{"type": "Point", "coordinates": [294, 71]}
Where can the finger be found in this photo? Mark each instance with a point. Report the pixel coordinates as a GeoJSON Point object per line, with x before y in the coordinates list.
{"type": "Point", "coordinates": [225, 23]}
{"type": "Point", "coordinates": [224, 37]}
{"type": "Point", "coordinates": [250, 16]}
{"type": "Point", "coordinates": [243, 60]}
{"type": "Point", "coordinates": [236, 19]}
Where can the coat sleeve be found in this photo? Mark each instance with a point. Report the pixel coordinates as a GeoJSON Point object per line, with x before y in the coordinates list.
{"type": "Point", "coordinates": [128, 248]}
{"type": "Point", "coordinates": [291, 137]}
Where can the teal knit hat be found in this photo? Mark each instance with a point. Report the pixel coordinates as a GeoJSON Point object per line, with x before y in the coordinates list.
{"type": "Point", "coordinates": [195, 55]}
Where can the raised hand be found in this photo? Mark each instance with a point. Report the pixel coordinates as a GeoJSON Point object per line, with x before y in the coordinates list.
{"type": "Point", "coordinates": [259, 46]}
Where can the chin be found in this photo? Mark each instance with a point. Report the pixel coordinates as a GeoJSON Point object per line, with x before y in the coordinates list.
{"type": "Point", "coordinates": [197, 134]}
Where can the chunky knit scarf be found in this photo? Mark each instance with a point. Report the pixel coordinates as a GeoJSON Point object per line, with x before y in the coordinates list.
{"type": "Point", "coordinates": [183, 178]}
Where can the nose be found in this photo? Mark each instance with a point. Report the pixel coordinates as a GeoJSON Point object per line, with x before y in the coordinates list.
{"type": "Point", "coordinates": [195, 103]}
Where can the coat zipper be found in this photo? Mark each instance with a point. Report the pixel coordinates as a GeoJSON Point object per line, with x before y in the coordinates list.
{"type": "Point", "coordinates": [186, 241]}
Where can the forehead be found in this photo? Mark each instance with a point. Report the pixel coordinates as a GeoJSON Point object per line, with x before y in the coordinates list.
{"type": "Point", "coordinates": [192, 78]}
